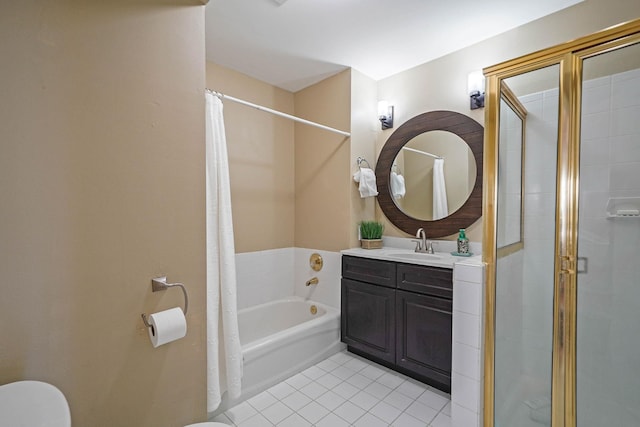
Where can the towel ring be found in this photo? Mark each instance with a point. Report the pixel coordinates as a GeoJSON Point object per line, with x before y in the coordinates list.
{"type": "Point", "coordinates": [160, 284]}
{"type": "Point", "coordinates": [396, 169]}
{"type": "Point", "coordinates": [361, 160]}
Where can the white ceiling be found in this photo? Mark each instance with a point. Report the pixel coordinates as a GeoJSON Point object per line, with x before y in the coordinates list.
{"type": "Point", "coordinates": [295, 43]}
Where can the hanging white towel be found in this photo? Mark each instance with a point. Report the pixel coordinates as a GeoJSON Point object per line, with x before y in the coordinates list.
{"type": "Point", "coordinates": [224, 353]}
{"type": "Point", "coordinates": [367, 179]}
{"type": "Point", "coordinates": [440, 209]}
{"type": "Point", "coordinates": [398, 189]}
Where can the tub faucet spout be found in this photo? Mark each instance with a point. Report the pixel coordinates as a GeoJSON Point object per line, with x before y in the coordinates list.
{"type": "Point", "coordinates": [312, 281]}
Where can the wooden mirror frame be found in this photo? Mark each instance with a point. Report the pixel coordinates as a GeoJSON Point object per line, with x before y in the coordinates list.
{"type": "Point", "coordinates": [463, 126]}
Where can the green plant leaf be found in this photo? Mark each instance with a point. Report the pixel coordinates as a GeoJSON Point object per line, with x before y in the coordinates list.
{"type": "Point", "coordinates": [371, 230]}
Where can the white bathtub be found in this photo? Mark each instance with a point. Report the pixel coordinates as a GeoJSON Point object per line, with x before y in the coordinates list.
{"type": "Point", "coordinates": [281, 338]}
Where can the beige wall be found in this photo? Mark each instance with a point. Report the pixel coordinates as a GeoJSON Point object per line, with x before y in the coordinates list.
{"type": "Point", "coordinates": [102, 188]}
{"type": "Point", "coordinates": [322, 166]}
{"type": "Point", "coordinates": [442, 84]}
{"type": "Point", "coordinates": [364, 130]}
{"type": "Point", "coordinates": [261, 160]}
{"type": "Point", "coordinates": [280, 187]}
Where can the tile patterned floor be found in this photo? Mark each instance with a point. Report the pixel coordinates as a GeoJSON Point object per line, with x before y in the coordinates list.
{"type": "Point", "coordinates": [344, 390]}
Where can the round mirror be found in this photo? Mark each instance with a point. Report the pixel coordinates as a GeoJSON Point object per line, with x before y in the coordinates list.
{"type": "Point", "coordinates": [438, 171]}
{"type": "Point", "coordinates": [429, 174]}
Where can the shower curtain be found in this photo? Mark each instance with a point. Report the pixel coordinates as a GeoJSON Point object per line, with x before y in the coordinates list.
{"type": "Point", "coordinates": [440, 209]}
{"type": "Point", "coordinates": [224, 354]}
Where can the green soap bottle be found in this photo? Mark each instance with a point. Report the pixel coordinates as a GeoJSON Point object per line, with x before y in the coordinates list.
{"type": "Point", "coordinates": [463, 243]}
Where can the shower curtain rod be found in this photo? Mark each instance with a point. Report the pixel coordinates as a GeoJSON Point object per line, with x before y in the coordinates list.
{"type": "Point", "coordinates": [277, 113]}
{"type": "Point", "coordinates": [422, 152]}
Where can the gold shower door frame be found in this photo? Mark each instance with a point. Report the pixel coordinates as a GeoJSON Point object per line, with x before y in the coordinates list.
{"type": "Point", "coordinates": [569, 57]}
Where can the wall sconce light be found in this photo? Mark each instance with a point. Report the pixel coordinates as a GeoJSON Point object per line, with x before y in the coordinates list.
{"type": "Point", "coordinates": [475, 87]}
{"type": "Point", "coordinates": [385, 114]}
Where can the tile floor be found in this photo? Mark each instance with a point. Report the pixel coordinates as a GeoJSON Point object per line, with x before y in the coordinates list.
{"type": "Point", "coordinates": [344, 390]}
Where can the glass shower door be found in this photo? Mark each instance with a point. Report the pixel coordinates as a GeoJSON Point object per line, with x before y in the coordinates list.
{"type": "Point", "coordinates": [608, 280]}
{"type": "Point", "coordinates": [525, 237]}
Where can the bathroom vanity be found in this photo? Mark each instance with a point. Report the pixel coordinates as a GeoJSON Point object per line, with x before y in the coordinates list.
{"type": "Point", "coordinates": [398, 305]}
{"type": "Point", "coordinates": [399, 314]}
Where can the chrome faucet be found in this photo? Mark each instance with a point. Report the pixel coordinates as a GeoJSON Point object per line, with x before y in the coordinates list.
{"type": "Point", "coordinates": [429, 247]}
{"type": "Point", "coordinates": [422, 244]}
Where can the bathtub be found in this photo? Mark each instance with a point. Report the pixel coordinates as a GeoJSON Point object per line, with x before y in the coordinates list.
{"type": "Point", "coordinates": [281, 338]}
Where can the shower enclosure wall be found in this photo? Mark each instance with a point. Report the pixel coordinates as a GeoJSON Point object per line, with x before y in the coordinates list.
{"type": "Point", "coordinates": [562, 234]}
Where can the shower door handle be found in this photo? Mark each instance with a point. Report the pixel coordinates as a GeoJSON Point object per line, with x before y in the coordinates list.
{"type": "Point", "coordinates": [585, 265]}
{"type": "Point", "coordinates": [567, 266]}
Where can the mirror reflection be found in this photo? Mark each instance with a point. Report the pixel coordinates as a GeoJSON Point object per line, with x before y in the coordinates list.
{"type": "Point", "coordinates": [433, 175]}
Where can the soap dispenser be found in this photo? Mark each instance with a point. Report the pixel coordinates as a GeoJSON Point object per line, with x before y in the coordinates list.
{"type": "Point", "coordinates": [463, 243]}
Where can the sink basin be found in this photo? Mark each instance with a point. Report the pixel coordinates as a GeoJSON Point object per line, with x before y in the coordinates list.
{"type": "Point", "coordinates": [414, 256]}
{"type": "Point", "coordinates": [33, 403]}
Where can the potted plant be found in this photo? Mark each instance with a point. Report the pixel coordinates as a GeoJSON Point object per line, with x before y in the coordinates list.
{"type": "Point", "coordinates": [371, 234]}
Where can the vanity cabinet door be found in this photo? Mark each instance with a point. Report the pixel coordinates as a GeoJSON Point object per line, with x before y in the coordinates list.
{"type": "Point", "coordinates": [423, 340]}
{"type": "Point", "coordinates": [368, 319]}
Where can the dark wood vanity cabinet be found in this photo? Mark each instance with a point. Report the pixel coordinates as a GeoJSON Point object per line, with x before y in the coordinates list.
{"type": "Point", "coordinates": [399, 315]}
{"type": "Point", "coordinates": [368, 319]}
{"type": "Point", "coordinates": [423, 336]}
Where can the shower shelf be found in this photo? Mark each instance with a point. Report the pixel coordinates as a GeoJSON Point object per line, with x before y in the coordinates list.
{"type": "Point", "coordinates": [623, 207]}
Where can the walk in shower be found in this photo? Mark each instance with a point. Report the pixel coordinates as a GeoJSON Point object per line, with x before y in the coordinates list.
{"type": "Point", "coordinates": [562, 235]}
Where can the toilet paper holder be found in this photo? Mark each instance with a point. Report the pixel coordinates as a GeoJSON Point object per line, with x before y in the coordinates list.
{"type": "Point", "coordinates": [160, 284]}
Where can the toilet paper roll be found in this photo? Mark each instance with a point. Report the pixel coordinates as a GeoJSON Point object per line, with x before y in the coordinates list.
{"type": "Point", "coordinates": [167, 326]}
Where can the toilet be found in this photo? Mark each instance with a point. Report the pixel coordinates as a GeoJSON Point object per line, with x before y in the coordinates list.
{"type": "Point", "coordinates": [33, 403]}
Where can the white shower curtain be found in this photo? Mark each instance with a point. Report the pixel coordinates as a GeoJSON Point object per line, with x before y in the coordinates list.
{"type": "Point", "coordinates": [440, 209]}
{"type": "Point", "coordinates": [224, 354]}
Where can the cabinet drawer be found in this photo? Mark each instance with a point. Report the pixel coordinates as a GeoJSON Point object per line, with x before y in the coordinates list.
{"type": "Point", "coordinates": [426, 280]}
{"type": "Point", "coordinates": [381, 273]}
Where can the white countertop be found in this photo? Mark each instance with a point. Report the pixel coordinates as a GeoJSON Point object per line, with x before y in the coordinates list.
{"type": "Point", "coordinates": [408, 256]}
